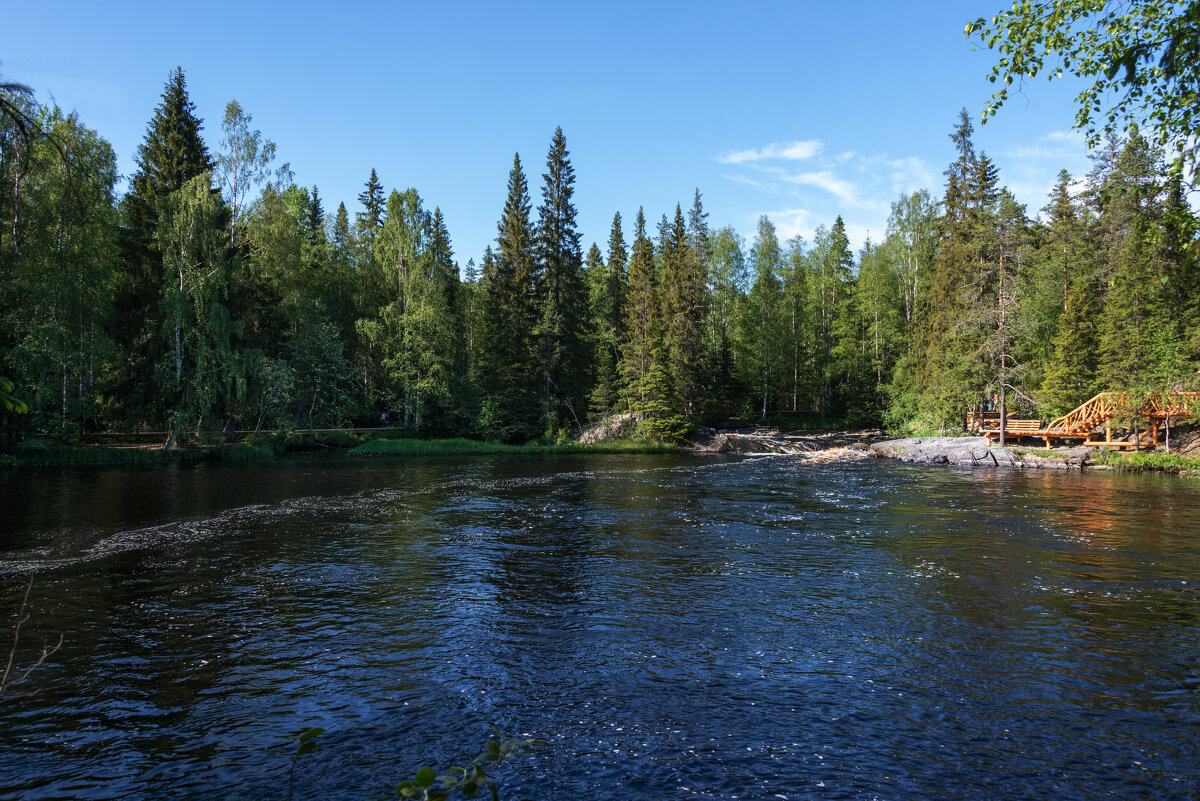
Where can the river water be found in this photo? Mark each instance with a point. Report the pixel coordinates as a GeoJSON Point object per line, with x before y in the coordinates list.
{"type": "Point", "coordinates": [672, 627]}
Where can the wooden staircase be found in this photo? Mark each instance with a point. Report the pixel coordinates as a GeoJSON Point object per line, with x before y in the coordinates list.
{"type": "Point", "coordinates": [1080, 422]}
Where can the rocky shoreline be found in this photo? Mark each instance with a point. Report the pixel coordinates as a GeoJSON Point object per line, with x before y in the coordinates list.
{"type": "Point", "coordinates": [846, 446]}
{"type": "Point", "coordinates": [978, 452]}
{"type": "Point", "coordinates": [835, 446]}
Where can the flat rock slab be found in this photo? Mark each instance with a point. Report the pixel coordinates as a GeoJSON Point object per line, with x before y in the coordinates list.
{"type": "Point", "coordinates": [977, 452]}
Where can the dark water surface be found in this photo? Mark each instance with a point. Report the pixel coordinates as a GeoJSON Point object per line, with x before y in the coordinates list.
{"type": "Point", "coordinates": [673, 628]}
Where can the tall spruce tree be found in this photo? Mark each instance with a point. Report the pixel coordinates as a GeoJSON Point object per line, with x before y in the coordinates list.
{"type": "Point", "coordinates": [683, 311]}
{"type": "Point", "coordinates": [763, 322]}
{"type": "Point", "coordinates": [727, 281]}
{"type": "Point", "coordinates": [562, 343]}
{"type": "Point", "coordinates": [1140, 340]}
{"type": "Point", "coordinates": [642, 330]}
{"type": "Point", "coordinates": [171, 154]}
{"type": "Point", "coordinates": [607, 293]}
{"type": "Point", "coordinates": [829, 289]}
{"type": "Point", "coordinates": [947, 369]}
{"type": "Point", "coordinates": [507, 365]}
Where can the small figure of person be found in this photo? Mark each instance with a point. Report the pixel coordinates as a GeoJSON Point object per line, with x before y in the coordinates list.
{"type": "Point", "coordinates": [385, 420]}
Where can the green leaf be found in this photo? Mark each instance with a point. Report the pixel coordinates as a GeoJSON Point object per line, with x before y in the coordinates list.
{"type": "Point", "coordinates": [310, 734]}
{"type": "Point", "coordinates": [492, 747]}
{"type": "Point", "coordinates": [425, 777]}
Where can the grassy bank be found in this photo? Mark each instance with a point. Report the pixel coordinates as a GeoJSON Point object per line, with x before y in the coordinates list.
{"type": "Point", "coordinates": [1151, 463]}
{"type": "Point", "coordinates": [43, 454]}
{"type": "Point", "coordinates": [440, 447]}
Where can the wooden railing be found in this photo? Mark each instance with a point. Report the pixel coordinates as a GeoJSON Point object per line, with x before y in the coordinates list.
{"type": "Point", "coordinates": [1108, 405]}
{"type": "Point", "coordinates": [1082, 420]}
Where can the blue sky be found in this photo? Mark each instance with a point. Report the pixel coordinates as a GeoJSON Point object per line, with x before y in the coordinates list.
{"type": "Point", "coordinates": [801, 110]}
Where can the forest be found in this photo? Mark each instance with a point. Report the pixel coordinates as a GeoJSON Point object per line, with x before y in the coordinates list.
{"type": "Point", "coordinates": [217, 295]}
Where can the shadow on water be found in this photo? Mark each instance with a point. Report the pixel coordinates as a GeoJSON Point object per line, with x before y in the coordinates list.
{"type": "Point", "coordinates": [674, 628]}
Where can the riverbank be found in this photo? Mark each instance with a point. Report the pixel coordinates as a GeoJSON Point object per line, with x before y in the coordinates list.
{"type": "Point", "coordinates": [824, 446]}
{"type": "Point", "coordinates": [475, 447]}
{"type": "Point", "coordinates": [52, 454]}
{"type": "Point", "coordinates": [979, 452]}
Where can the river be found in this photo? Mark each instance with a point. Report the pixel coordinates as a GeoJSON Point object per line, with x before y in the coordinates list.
{"type": "Point", "coordinates": [672, 627]}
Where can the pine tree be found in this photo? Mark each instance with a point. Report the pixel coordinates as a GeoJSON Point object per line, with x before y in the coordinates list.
{"type": "Point", "coordinates": [370, 219]}
{"type": "Point", "coordinates": [880, 308]}
{"type": "Point", "coordinates": [1141, 344]}
{"type": "Point", "coordinates": [998, 315]}
{"type": "Point", "coordinates": [171, 154]}
{"type": "Point", "coordinates": [316, 233]}
{"type": "Point", "coordinates": [642, 330]}
{"type": "Point", "coordinates": [562, 343]}
{"type": "Point", "coordinates": [763, 322]}
{"type": "Point", "coordinates": [831, 272]}
{"type": "Point", "coordinates": [607, 293]}
{"type": "Point", "coordinates": [948, 369]}
{"type": "Point", "coordinates": [796, 299]}
{"type": "Point", "coordinates": [1070, 374]}
{"type": "Point", "coordinates": [1062, 255]}
{"type": "Point", "coordinates": [682, 299]}
{"type": "Point", "coordinates": [727, 285]}
{"type": "Point", "coordinates": [507, 364]}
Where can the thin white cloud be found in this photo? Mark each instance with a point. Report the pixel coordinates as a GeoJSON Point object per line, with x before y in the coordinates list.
{"type": "Point", "coordinates": [787, 151]}
{"type": "Point", "coordinates": [1072, 136]}
{"type": "Point", "coordinates": [825, 179]}
{"type": "Point", "coordinates": [790, 222]}
{"type": "Point", "coordinates": [910, 174]}
{"type": "Point", "coordinates": [856, 186]}
{"type": "Point", "coordinates": [762, 186]}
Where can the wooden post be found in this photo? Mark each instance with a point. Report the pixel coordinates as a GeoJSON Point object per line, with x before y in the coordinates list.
{"type": "Point", "coordinates": [1003, 413]}
{"type": "Point", "coordinates": [1108, 432]}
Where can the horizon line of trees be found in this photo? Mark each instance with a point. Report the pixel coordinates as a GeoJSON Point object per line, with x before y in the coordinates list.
{"type": "Point", "coordinates": [216, 295]}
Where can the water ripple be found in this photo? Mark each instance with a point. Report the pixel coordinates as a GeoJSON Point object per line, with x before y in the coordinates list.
{"type": "Point", "coordinates": [733, 628]}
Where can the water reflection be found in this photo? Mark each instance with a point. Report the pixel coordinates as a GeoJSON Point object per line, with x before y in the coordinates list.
{"type": "Point", "coordinates": [674, 628]}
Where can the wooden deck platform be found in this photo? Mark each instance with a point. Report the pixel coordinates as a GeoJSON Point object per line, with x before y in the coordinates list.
{"type": "Point", "coordinates": [1082, 422]}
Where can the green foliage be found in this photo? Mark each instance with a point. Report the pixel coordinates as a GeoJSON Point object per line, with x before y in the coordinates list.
{"type": "Point", "coordinates": [243, 164]}
{"type": "Point", "coordinates": [171, 154]}
{"type": "Point", "coordinates": [60, 257]}
{"type": "Point", "coordinates": [7, 401]}
{"type": "Point", "coordinates": [506, 368]}
{"type": "Point", "coordinates": [762, 321]}
{"type": "Point", "coordinates": [473, 779]}
{"type": "Point", "coordinates": [464, 447]}
{"type": "Point", "coordinates": [682, 298]}
{"type": "Point", "coordinates": [1151, 462]}
{"type": "Point", "coordinates": [560, 329]}
{"type": "Point", "coordinates": [1143, 58]}
{"type": "Point", "coordinates": [202, 373]}
{"type": "Point", "coordinates": [256, 310]}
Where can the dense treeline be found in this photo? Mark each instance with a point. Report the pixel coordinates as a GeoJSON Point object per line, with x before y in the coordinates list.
{"type": "Point", "coordinates": [216, 295]}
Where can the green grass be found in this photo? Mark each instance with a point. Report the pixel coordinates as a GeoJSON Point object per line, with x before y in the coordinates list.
{"type": "Point", "coordinates": [1039, 452]}
{"type": "Point", "coordinates": [460, 446]}
{"type": "Point", "coordinates": [42, 453]}
{"type": "Point", "coordinates": [57, 455]}
{"type": "Point", "coordinates": [1152, 462]}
